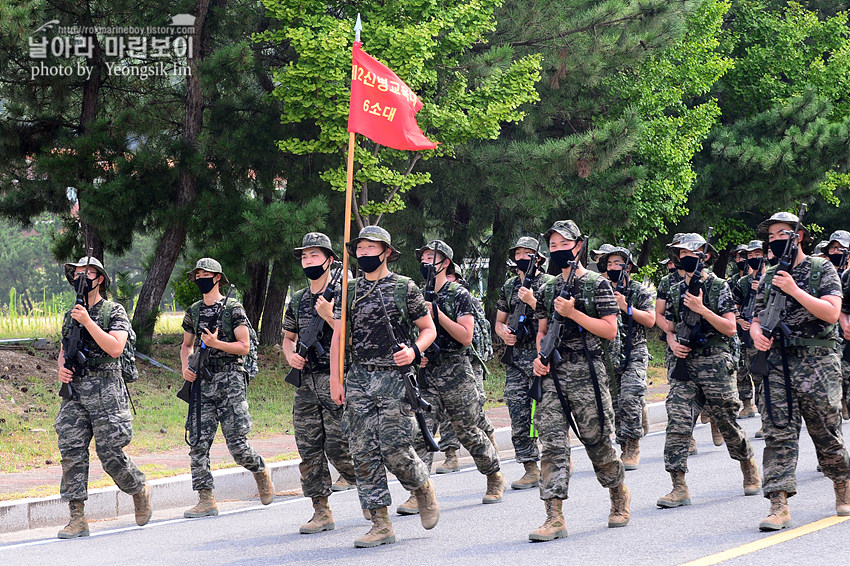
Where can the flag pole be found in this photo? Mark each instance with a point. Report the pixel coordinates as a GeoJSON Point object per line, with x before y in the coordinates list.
{"type": "Point", "coordinates": [349, 196]}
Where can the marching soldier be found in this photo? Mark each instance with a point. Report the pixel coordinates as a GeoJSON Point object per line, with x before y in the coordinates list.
{"type": "Point", "coordinates": [577, 389]}
{"type": "Point", "coordinates": [519, 374]}
{"type": "Point", "coordinates": [743, 293]}
{"type": "Point", "coordinates": [224, 395]}
{"type": "Point", "coordinates": [708, 368]}
{"type": "Point", "coordinates": [376, 413]}
{"type": "Point", "coordinates": [804, 365]}
{"type": "Point", "coordinates": [315, 417]}
{"type": "Point", "coordinates": [98, 404]}
{"type": "Point", "coordinates": [838, 251]}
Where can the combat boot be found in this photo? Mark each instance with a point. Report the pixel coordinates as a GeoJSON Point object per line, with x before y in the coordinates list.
{"type": "Point", "coordinates": [620, 500]}
{"type": "Point", "coordinates": [760, 433]}
{"type": "Point", "coordinates": [842, 499]}
{"type": "Point", "coordinates": [703, 416]}
{"type": "Point", "coordinates": [409, 507]}
{"type": "Point", "coordinates": [752, 482]}
{"type": "Point", "coordinates": [342, 484]}
{"type": "Point", "coordinates": [77, 526]}
{"type": "Point", "coordinates": [780, 516]}
{"type": "Point", "coordinates": [265, 486]}
{"type": "Point", "coordinates": [716, 436]}
{"type": "Point", "coordinates": [495, 488]}
{"type": "Point", "coordinates": [679, 496]}
{"type": "Point", "coordinates": [450, 464]}
{"type": "Point", "coordinates": [554, 526]}
{"type": "Point", "coordinates": [142, 505]}
{"type": "Point", "coordinates": [429, 509]}
{"type": "Point", "coordinates": [322, 520]}
{"type": "Point", "coordinates": [748, 410]}
{"type": "Point", "coordinates": [381, 532]}
{"type": "Point", "coordinates": [692, 447]}
{"type": "Point", "coordinates": [644, 418]}
{"type": "Point", "coordinates": [631, 453]}
{"type": "Point", "coordinates": [206, 506]}
{"type": "Point", "coordinates": [530, 479]}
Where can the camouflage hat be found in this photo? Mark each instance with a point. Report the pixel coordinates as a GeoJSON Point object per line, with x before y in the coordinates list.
{"type": "Point", "coordinates": [603, 249]}
{"type": "Point", "coordinates": [566, 228]}
{"type": "Point", "coordinates": [754, 245]}
{"type": "Point", "coordinates": [740, 248]}
{"type": "Point", "coordinates": [617, 250]}
{"type": "Point", "coordinates": [94, 264]}
{"type": "Point", "coordinates": [441, 247]}
{"type": "Point", "coordinates": [820, 249]}
{"type": "Point", "coordinates": [840, 236]}
{"type": "Point", "coordinates": [525, 242]}
{"type": "Point", "coordinates": [314, 240]}
{"type": "Point", "coordinates": [665, 261]}
{"type": "Point", "coordinates": [693, 242]}
{"type": "Point", "coordinates": [373, 234]}
{"type": "Point", "coordinates": [784, 217]}
{"type": "Point", "coordinates": [207, 264]}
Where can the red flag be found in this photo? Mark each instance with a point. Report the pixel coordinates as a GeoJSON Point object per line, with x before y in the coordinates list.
{"type": "Point", "coordinates": [382, 106]}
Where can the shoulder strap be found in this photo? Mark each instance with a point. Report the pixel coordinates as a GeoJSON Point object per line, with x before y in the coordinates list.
{"type": "Point", "coordinates": [451, 297]}
{"type": "Point", "coordinates": [400, 296]}
{"type": "Point", "coordinates": [195, 311]}
{"type": "Point", "coordinates": [295, 300]}
{"type": "Point", "coordinates": [106, 315]}
{"type": "Point", "coordinates": [508, 289]}
{"type": "Point", "coordinates": [714, 291]}
{"type": "Point", "coordinates": [816, 274]}
{"type": "Point", "coordinates": [589, 293]}
{"type": "Point", "coordinates": [549, 293]}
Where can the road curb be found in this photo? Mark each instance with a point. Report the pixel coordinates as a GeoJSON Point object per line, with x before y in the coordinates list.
{"type": "Point", "coordinates": [176, 491]}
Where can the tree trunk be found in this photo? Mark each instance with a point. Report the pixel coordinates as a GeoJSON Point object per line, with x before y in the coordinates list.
{"type": "Point", "coordinates": [721, 263]}
{"type": "Point", "coordinates": [643, 258]}
{"type": "Point", "coordinates": [174, 237]}
{"type": "Point", "coordinates": [499, 245]}
{"type": "Point", "coordinates": [271, 329]}
{"type": "Point", "coordinates": [255, 294]}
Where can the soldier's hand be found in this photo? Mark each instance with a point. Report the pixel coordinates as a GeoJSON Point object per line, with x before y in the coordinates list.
{"type": "Point", "coordinates": [680, 350]}
{"type": "Point", "coordinates": [621, 301]}
{"type": "Point", "coordinates": [762, 343]}
{"type": "Point", "coordinates": [81, 315]}
{"type": "Point", "coordinates": [508, 336]}
{"type": "Point", "coordinates": [189, 375]}
{"type": "Point", "coordinates": [565, 307]}
{"type": "Point", "coordinates": [65, 375]}
{"type": "Point", "coordinates": [423, 362]}
{"type": "Point", "coordinates": [526, 295]}
{"type": "Point", "coordinates": [404, 357]}
{"type": "Point", "coordinates": [540, 368]}
{"type": "Point", "coordinates": [847, 333]}
{"type": "Point", "coordinates": [754, 285]}
{"type": "Point", "coordinates": [785, 283]}
{"type": "Point", "coordinates": [695, 304]}
{"type": "Point", "coordinates": [744, 324]}
{"type": "Point", "coordinates": [296, 361]}
{"type": "Point", "coordinates": [337, 391]}
{"type": "Point", "coordinates": [210, 338]}
{"type": "Point", "coordinates": [325, 308]}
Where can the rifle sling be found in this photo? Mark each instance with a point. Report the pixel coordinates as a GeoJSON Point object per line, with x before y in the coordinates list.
{"type": "Point", "coordinates": [787, 378]}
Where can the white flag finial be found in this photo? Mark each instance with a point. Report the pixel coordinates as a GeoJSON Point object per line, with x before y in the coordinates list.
{"type": "Point", "coordinates": [358, 25]}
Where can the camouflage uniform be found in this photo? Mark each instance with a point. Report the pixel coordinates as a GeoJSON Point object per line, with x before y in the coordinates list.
{"type": "Point", "coordinates": [573, 375]}
{"type": "Point", "coordinates": [377, 417]}
{"type": "Point", "coordinates": [223, 400]}
{"type": "Point", "coordinates": [845, 365]}
{"type": "Point", "coordinates": [815, 372]}
{"type": "Point", "coordinates": [747, 386]}
{"type": "Point", "coordinates": [102, 413]}
{"type": "Point", "coordinates": [710, 383]}
{"type": "Point", "coordinates": [315, 417]}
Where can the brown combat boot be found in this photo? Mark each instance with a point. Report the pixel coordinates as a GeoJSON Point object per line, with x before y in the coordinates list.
{"type": "Point", "coordinates": [342, 484]}
{"type": "Point", "coordinates": [692, 447]}
{"type": "Point", "coordinates": [142, 505]}
{"type": "Point", "coordinates": [530, 479]}
{"type": "Point", "coordinates": [322, 520]}
{"type": "Point", "coordinates": [367, 514]}
{"type": "Point", "coordinates": [842, 499]}
{"type": "Point", "coordinates": [381, 532]}
{"type": "Point", "coordinates": [77, 526]}
{"type": "Point", "coordinates": [644, 419]}
{"type": "Point", "coordinates": [206, 506]}
{"type": "Point", "coordinates": [429, 509]}
{"type": "Point", "coordinates": [450, 464]}
{"type": "Point", "coordinates": [716, 436]}
{"type": "Point", "coordinates": [496, 483]}
{"type": "Point", "coordinates": [631, 453]}
{"type": "Point", "coordinates": [554, 526]}
{"type": "Point", "coordinates": [748, 410]}
{"type": "Point", "coordinates": [845, 413]}
{"type": "Point", "coordinates": [703, 417]}
{"type": "Point", "coordinates": [620, 500]}
{"type": "Point", "coordinates": [409, 507]}
{"type": "Point", "coordinates": [752, 482]}
{"type": "Point", "coordinates": [265, 486]}
{"type": "Point", "coordinates": [679, 496]}
{"type": "Point", "coordinates": [780, 516]}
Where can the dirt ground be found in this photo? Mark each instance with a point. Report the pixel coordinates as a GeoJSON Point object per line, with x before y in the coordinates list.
{"type": "Point", "coordinates": [16, 366]}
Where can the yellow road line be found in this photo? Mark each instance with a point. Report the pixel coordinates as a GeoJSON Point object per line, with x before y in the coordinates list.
{"type": "Point", "coordinates": [766, 542]}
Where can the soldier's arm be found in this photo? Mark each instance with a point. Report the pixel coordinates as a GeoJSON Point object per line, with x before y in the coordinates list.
{"type": "Point", "coordinates": [844, 321]}
{"type": "Point", "coordinates": [186, 349]}
{"type": "Point", "coordinates": [661, 320]}
{"type": "Point", "coordinates": [289, 345]}
{"type": "Point", "coordinates": [645, 316]}
{"type": "Point", "coordinates": [110, 342]}
{"type": "Point", "coordinates": [337, 390]}
{"type": "Point", "coordinates": [460, 330]}
{"type": "Point", "coordinates": [240, 347]}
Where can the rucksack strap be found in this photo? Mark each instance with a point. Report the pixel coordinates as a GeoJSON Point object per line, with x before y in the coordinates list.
{"type": "Point", "coordinates": [295, 299]}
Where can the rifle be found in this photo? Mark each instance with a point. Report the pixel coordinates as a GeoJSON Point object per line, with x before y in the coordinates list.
{"type": "Point", "coordinates": [689, 328]}
{"type": "Point", "coordinates": [411, 388]}
{"type": "Point", "coordinates": [72, 345]}
{"type": "Point", "coordinates": [747, 312]}
{"type": "Point", "coordinates": [625, 289]}
{"type": "Point", "coordinates": [311, 337]}
{"type": "Point", "coordinates": [518, 320]}
{"type": "Point", "coordinates": [430, 295]}
{"type": "Point", "coordinates": [198, 364]}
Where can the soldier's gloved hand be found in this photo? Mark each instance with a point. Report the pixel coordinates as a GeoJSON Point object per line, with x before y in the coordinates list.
{"type": "Point", "coordinates": [404, 357]}
{"type": "Point", "coordinates": [296, 361]}
{"type": "Point", "coordinates": [540, 368]}
{"type": "Point", "coordinates": [189, 375]}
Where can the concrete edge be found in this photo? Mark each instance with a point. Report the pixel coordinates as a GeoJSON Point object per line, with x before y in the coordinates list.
{"type": "Point", "coordinates": [176, 491]}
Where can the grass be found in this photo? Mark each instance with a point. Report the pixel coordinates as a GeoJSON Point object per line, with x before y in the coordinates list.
{"type": "Point", "coordinates": [49, 324]}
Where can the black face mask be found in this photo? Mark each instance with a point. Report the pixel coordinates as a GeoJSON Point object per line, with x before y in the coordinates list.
{"type": "Point", "coordinates": [754, 262]}
{"type": "Point", "coordinates": [672, 269]}
{"type": "Point", "coordinates": [562, 258]}
{"type": "Point", "coordinates": [370, 263]}
{"type": "Point", "coordinates": [778, 248]}
{"type": "Point", "coordinates": [522, 264]}
{"type": "Point", "coordinates": [315, 271]}
{"type": "Point", "coordinates": [836, 259]}
{"type": "Point", "coordinates": [88, 286]}
{"type": "Point", "coordinates": [614, 274]}
{"type": "Point", "coordinates": [424, 270]}
{"type": "Point", "coordinates": [773, 261]}
{"type": "Point", "coordinates": [689, 263]}
{"type": "Point", "coordinates": [742, 265]}
{"type": "Point", "coordinates": [205, 284]}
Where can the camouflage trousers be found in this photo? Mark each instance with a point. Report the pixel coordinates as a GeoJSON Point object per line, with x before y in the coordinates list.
{"type": "Point", "coordinates": [845, 381]}
{"type": "Point", "coordinates": [102, 414]}
{"type": "Point", "coordinates": [448, 438]}
{"type": "Point", "coordinates": [380, 428]}
{"type": "Point", "coordinates": [518, 378]}
{"type": "Point", "coordinates": [319, 437]}
{"type": "Point", "coordinates": [451, 386]}
{"type": "Point", "coordinates": [745, 378]}
{"type": "Point", "coordinates": [223, 400]}
{"type": "Point", "coordinates": [629, 401]}
{"type": "Point", "coordinates": [573, 375]}
{"type": "Point", "coordinates": [711, 384]}
{"type": "Point", "coordinates": [815, 397]}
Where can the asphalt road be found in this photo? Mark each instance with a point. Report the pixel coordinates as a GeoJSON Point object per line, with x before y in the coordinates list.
{"type": "Point", "coordinates": [721, 518]}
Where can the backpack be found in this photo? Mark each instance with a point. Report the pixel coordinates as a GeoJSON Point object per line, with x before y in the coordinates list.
{"type": "Point", "coordinates": [249, 361]}
{"type": "Point", "coordinates": [482, 339]}
{"type": "Point", "coordinates": [129, 371]}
